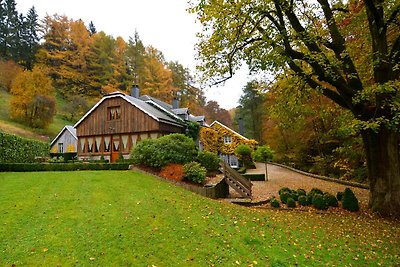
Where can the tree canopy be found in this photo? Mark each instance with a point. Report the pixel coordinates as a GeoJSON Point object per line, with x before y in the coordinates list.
{"type": "Point", "coordinates": [318, 42]}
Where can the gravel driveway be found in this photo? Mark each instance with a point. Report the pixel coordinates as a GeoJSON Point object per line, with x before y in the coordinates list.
{"type": "Point", "coordinates": [281, 177]}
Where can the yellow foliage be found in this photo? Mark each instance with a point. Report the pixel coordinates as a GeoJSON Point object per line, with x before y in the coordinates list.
{"type": "Point", "coordinates": [70, 148]}
{"type": "Point", "coordinates": [209, 139]}
{"type": "Point", "coordinates": [32, 92]}
{"type": "Point", "coordinates": [54, 149]}
{"type": "Point", "coordinates": [213, 139]}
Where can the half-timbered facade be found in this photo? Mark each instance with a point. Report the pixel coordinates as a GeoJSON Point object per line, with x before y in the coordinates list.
{"type": "Point", "coordinates": [119, 121]}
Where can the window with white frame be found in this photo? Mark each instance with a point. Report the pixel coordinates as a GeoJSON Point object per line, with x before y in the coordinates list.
{"type": "Point", "coordinates": [60, 147]}
{"type": "Point", "coordinates": [233, 161]}
{"type": "Point", "coordinates": [227, 139]}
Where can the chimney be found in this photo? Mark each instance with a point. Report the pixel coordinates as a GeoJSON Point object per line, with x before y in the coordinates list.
{"type": "Point", "coordinates": [175, 103]}
{"type": "Point", "coordinates": [135, 91]}
{"type": "Point", "coordinates": [241, 125]}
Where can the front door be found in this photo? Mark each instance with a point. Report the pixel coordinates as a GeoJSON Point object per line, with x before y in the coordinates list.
{"type": "Point", "coordinates": [115, 147]}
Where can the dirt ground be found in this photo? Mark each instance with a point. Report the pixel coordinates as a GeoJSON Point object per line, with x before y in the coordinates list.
{"type": "Point", "coordinates": [279, 177]}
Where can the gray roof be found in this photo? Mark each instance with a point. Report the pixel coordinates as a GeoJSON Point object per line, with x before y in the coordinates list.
{"type": "Point", "coordinates": [148, 108]}
{"type": "Point", "coordinates": [157, 114]}
{"type": "Point", "coordinates": [180, 111]}
{"type": "Point", "coordinates": [157, 101]}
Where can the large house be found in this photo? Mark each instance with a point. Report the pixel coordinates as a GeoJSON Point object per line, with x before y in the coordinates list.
{"type": "Point", "coordinates": [119, 121]}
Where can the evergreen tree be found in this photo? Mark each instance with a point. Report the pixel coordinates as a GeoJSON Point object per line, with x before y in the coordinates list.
{"type": "Point", "coordinates": [9, 36]}
{"type": "Point", "coordinates": [30, 38]}
{"type": "Point", "coordinates": [92, 28]}
{"type": "Point", "coordinates": [251, 110]}
{"type": "Point", "coordinates": [135, 55]}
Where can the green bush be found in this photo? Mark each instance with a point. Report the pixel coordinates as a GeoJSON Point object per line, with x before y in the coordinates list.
{"type": "Point", "coordinates": [15, 149]}
{"type": "Point", "coordinates": [339, 196]}
{"type": "Point", "coordinates": [243, 153]}
{"type": "Point", "coordinates": [284, 189]}
{"type": "Point", "coordinates": [284, 197]}
{"type": "Point", "coordinates": [172, 148]}
{"type": "Point", "coordinates": [263, 154]}
{"type": "Point", "coordinates": [291, 203]}
{"type": "Point", "coordinates": [316, 191]}
{"type": "Point", "coordinates": [275, 203]}
{"type": "Point", "coordinates": [194, 172]}
{"type": "Point", "coordinates": [331, 200]}
{"type": "Point", "coordinates": [208, 160]}
{"type": "Point", "coordinates": [301, 192]}
{"type": "Point", "coordinates": [319, 202]}
{"type": "Point", "coordinates": [303, 200]}
{"type": "Point", "coordinates": [350, 201]}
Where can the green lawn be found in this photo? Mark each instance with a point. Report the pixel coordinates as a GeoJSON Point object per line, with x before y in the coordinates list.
{"type": "Point", "coordinates": [123, 218]}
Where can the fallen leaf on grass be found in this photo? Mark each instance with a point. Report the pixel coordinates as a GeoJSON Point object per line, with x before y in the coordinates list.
{"type": "Point", "coordinates": [92, 259]}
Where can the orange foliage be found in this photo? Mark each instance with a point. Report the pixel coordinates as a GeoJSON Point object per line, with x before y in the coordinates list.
{"type": "Point", "coordinates": [172, 171]}
{"type": "Point", "coordinates": [8, 71]}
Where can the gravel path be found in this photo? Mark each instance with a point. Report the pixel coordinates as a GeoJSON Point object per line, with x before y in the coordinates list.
{"type": "Point", "coordinates": [280, 177]}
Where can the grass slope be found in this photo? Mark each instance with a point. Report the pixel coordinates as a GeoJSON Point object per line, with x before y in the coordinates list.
{"type": "Point", "coordinates": [9, 126]}
{"type": "Point", "coordinates": [124, 218]}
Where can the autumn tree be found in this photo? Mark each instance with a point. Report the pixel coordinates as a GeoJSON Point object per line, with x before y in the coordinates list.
{"type": "Point", "coordinates": [8, 71]}
{"type": "Point", "coordinates": [32, 99]}
{"type": "Point", "coordinates": [311, 40]}
{"type": "Point", "coordinates": [190, 96]}
{"type": "Point", "coordinates": [157, 78]}
{"type": "Point", "coordinates": [215, 113]}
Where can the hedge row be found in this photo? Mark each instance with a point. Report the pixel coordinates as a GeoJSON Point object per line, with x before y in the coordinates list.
{"type": "Point", "coordinates": [17, 149]}
{"type": "Point", "coordinates": [32, 167]}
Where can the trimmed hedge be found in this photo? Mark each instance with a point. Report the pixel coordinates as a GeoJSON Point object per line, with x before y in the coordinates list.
{"type": "Point", "coordinates": [34, 167]}
{"type": "Point", "coordinates": [17, 149]}
{"type": "Point", "coordinates": [255, 176]}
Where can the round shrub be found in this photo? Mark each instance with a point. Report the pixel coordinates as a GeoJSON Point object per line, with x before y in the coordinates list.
{"type": "Point", "coordinates": [194, 172]}
{"type": "Point", "coordinates": [284, 197]}
{"type": "Point", "coordinates": [243, 153]}
{"type": "Point", "coordinates": [146, 153]}
{"type": "Point", "coordinates": [284, 189]}
{"type": "Point", "coordinates": [309, 198]}
{"type": "Point", "coordinates": [319, 202]}
{"type": "Point", "coordinates": [339, 196]}
{"type": "Point", "coordinates": [291, 203]}
{"type": "Point", "coordinates": [275, 203]}
{"type": "Point", "coordinates": [316, 191]}
{"type": "Point", "coordinates": [263, 154]}
{"type": "Point", "coordinates": [331, 200]}
{"type": "Point", "coordinates": [301, 192]}
{"type": "Point", "coordinates": [303, 200]}
{"type": "Point", "coordinates": [208, 160]}
{"type": "Point", "coordinates": [350, 201]}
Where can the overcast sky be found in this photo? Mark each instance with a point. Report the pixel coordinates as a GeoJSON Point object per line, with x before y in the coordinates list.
{"type": "Point", "coordinates": [164, 24]}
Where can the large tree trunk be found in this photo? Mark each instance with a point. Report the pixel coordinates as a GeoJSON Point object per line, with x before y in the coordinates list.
{"type": "Point", "coordinates": [383, 161]}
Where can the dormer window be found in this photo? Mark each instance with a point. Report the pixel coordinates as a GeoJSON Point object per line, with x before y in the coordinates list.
{"type": "Point", "coordinates": [227, 139]}
{"type": "Point", "coordinates": [113, 113]}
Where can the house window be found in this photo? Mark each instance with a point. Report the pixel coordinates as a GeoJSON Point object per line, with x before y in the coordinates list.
{"type": "Point", "coordinates": [233, 161]}
{"type": "Point", "coordinates": [60, 147]}
{"type": "Point", "coordinates": [113, 113]}
{"type": "Point", "coordinates": [227, 139]}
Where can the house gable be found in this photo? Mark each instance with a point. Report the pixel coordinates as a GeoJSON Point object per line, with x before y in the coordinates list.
{"type": "Point", "coordinates": [65, 141]}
